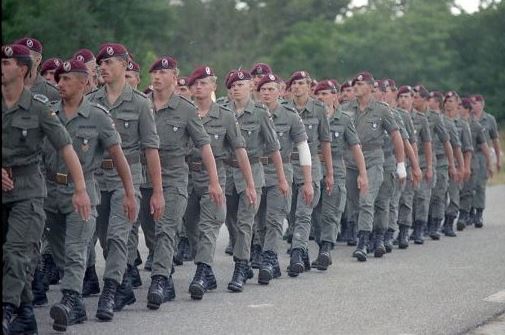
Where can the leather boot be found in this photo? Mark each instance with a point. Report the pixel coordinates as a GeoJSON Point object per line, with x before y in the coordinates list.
{"type": "Point", "coordinates": [133, 276]}
{"type": "Point", "coordinates": [479, 222]}
{"type": "Point", "coordinates": [148, 266]}
{"type": "Point", "coordinates": [403, 241]}
{"type": "Point", "coordinates": [8, 312]}
{"type": "Point", "coordinates": [239, 277]}
{"type": "Point", "coordinates": [24, 323]}
{"type": "Point", "coordinates": [198, 286]}
{"type": "Point", "coordinates": [361, 253]}
{"type": "Point", "coordinates": [449, 226]}
{"type": "Point", "coordinates": [463, 217]}
{"type": "Point", "coordinates": [124, 294]}
{"type": "Point", "coordinates": [38, 287]}
{"type": "Point", "coordinates": [296, 264]}
{"type": "Point", "coordinates": [138, 259]}
{"type": "Point", "coordinates": [105, 310]}
{"type": "Point", "coordinates": [256, 256]}
{"type": "Point", "coordinates": [371, 243]}
{"type": "Point", "coordinates": [306, 260]}
{"type": "Point", "coordinates": [229, 248]}
{"type": "Point", "coordinates": [324, 256]}
{"type": "Point", "coordinates": [379, 248]}
{"type": "Point", "coordinates": [51, 272]}
{"type": "Point", "coordinates": [435, 226]}
{"type": "Point", "coordinates": [418, 232]}
{"type": "Point", "coordinates": [388, 240]}
{"type": "Point", "coordinates": [277, 269]}
{"type": "Point", "coordinates": [266, 272]}
{"type": "Point", "coordinates": [352, 234]}
{"type": "Point", "coordinates": [427, 227]}
{"type": "Point", "coordinates": [90, 284]}
{"type": "Point", "coordinates": [471, 217]}
{"type": "Point", "coordinates": [69, 311]}
{"type": "Point", "coordinates": [155, 294]}
{"type": "Point", "coordinates": [169, 289]}
{"type": "Point", "coordinates": [211, 279]}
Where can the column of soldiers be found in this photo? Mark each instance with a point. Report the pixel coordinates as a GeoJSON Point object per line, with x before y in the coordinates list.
{"type": "Point", "coordinates": [86, 157]}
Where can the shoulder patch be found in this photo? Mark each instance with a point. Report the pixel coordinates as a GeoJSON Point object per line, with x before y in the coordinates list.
{"type": "Point", "coordinates": [101, 107]}
{"type": "Point", "coordinates": [41, 98]}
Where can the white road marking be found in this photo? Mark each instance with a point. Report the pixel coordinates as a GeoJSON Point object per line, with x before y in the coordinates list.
{"type": "Point", "coordinates": [261, 306]}
{"type": "Point", "coordinates": [497, 297]}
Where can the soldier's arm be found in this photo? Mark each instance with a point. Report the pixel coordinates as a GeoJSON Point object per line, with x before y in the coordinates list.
{"type": "Point", "coordinates": [123, 170]}
{"type": "Point", "coordinates": [450, 157]}
{"type": "Point", "coordinates": [245, 168]}
{"type": "Point", "coordinates": [428, 155]}
{"type": "Point", "coordinates": [279, 169]}
{"type": "Point", "coordinates": [484, 147]}
{"type": "Point", "coordinates": [360, 163]}
{"type": "Point", "coordinates": [215, 191]}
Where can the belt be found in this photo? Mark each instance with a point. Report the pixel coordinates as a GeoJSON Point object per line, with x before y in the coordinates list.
{"type": "Point", "coordinates": [165, 158]}
{"type": "Point", "coordinates": [234, 162]}
{"type": "Point", "coordinates": [108, 163]}
{"type": "Point", "coordinates": [197, 166]}
{"type": "Point", "coordinates": [21, 171]}
{"type": "Point", "coordinates": [268, 160]}
{"type": "Point", "coordinates": [64, 178]}
{"type": "Point", "coordinates": [370, 147]}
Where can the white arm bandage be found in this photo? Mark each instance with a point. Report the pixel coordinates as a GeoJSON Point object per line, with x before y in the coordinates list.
{"type": "Point", "coordinates": [304, 153]}
{"type": "Point", "coordinates": [401, 171]}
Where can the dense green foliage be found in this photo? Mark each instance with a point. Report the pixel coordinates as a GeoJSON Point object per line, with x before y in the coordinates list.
{"type": "Point", "coordinates": [409, 40]}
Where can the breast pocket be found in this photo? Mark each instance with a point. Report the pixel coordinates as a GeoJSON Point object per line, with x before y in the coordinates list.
{"type": "Point", "coordinates": [27, 133]}
{"type": "Point", "coordinates": [217, 135]}
{"type": "Point", "coordinates": [337, 136]}
{"type": "Point", "coordinates": [311, 128]}
{"type": "Point", "coordinates": [173, 134]}
{"type": "Point", "coordinates": [283, 135]}
{"type": "Point", "coordinates": [85, 144]}
{"type": "Point", "coordinates": [127, 126]}
{"type": "Point", "coordinates": [251, 134]}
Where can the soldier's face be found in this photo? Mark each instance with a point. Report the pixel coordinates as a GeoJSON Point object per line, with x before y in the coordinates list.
{"type": "Point", "coordinates": [463, 112]}
{"type": "Point", "coordinates": [362, 88]}
{"type": "Point", "coordinates": [478, 106]}
{"type": "Point", "coordinates": [347, 94]}
{"type": "Point", "coordinates": [163, 79]}
{"type": "Point", "coordinates": [132, 78]}
{"type": "Point", "coordinates": [257, 78]}
{"type": "Point", "coordinates": [451, 105]}
{"type": "Point", "coordinates": [203, 88]}
{"type": "Point", "coordinates": [326, 97]}
{"type": "Point", "coordinates": [49, 76]}
{"type": "Point", "coordinates": [183, 91]}
{"type": "Point", "coordinates": [241, 89]}
{"type": "Point", "coordinates": [269, 93]}
{"type": "Point", "coordinates": [300, 88]}
{"type": "Point", "coordinates": [71, 84]}
{"type": "Point", "coordinates": [433, 104]}
{"type": "Point", "coordinates": [11, 71]}
{"type": "Point", "coordinates": [112, 69]}
{"type": "Point", "coordinates": [419, 103]}
{"type": "Point", "coordinates": [390, 97]}
{"type": "Point", "coordinates": [405, 101]}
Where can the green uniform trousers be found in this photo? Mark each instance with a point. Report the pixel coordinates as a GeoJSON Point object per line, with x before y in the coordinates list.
{"type": "Point", "coordinates": [438, 199]}
{"type": "Point", "coordinates": [479, 180]}
{"type": "Point", "coordinates": [453, 192]}
{"type": "Point", "coordinates": [301, 215]}
{"type": "Point", "coordinates": [422, 196]}
{"type": "Point", "coordinates": [331, 207]}
{"type": "Point", "coordinates": [383, 202]}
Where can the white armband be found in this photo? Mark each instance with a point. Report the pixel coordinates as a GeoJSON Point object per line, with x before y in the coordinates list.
{"type": "Point", "coordinates": [401, 171]}
{"type": "Point", "coordinates": [304, 153]}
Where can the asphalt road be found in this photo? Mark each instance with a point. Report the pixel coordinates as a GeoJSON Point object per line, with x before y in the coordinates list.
{"type": "Point", "coordinates": [444, 287]}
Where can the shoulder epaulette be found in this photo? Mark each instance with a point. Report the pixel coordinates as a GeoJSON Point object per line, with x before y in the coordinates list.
{"type": "Point", "coordinates": [284, 102]}
{"type": "Point", "coordinates": [142, 94]}
{"type": "Point", "coordinates": [289, 108]}
{"type": "Point", "coordinates": [187, 100]}
{"type": "Point", "coordinates": [52, 84]}
{"type": "Point", "coordinates": [224, 107]}
{"type": "Point", "coordinates": [101, 107]}
{"type": "Point", "coordinates": [41, 98]}
{"type": "Point", "coordinates": [383, 104]}
{"type": "Point", "coordinates": [260, 105]}
{"type": "Point", "coordinates": [93, 91]}
{"type": "Point", "coordinates": [319, 103]}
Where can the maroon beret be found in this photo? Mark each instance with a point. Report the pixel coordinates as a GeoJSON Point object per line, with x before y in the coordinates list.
{"type": "Point", "coordinates": [164, 63]}
{"type": "Point", "coordinates": [50, 64]}
{"type": "Point", "coordinates": [423, 92]}
{"type": "Point", "coordinates": [363, 76]}
{"type": "Point", "coordinates": [404, 89]}
{"type": "Point", "coordinates": [200, 72]}
{"type": "Point", "coordinates": [31, 43]}
{"type": "Point", "coordinates": [109, 50]}
{"type": "Point", "coordinates": [132, 66]}
{"type": "Point", "coordinates": [466, 103]}
{"type": "Point", "coordinates": [236, 76]}
{"type": "Point", "coordinates": [377, 83]}
{"type": "Point", "coordinates": [227, 77]}
{"type": "Point", "coordinates": [84, 55]}
{"type": "Point", "coordinates": [261, 68]}
{"type": "Point", "coordinates": [324, 85]}
{"type": "Point", "coordinates": [448, 95]}
{"type": "Point", "coordinates": [389, 83]}
{"type": "Point", "coordinates": [345, 84]}
{"type": "Point", "coordinates": [436, 94]}
{"type": "Point", "coordinates": [298, 75]}
{"type": "Point", "coordinates": [15, 51]}
{"type": "Point", "coordinates": [71, 65]}
{"type": "Point", "coordinates": [477, 97]}
{"type": "Point", "coordinates": [270, 78]}
{"type": "Point", "coordinates": [183, 81]}
{"type": "Point", "coordinates": [335, 83]}
{"type": "Point", "coordinates": [313, 83]}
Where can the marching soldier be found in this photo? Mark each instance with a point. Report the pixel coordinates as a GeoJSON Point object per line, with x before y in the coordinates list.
{"type": "Point", "coordinates": [48, 68]}
{"type": "Point", "coordinates": [87, 57]}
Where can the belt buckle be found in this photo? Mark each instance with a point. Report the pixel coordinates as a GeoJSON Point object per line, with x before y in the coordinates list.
{"type": "Point", "coordinates": [61, 178]}
{"type": "Point", "coordinates": [107, 164]}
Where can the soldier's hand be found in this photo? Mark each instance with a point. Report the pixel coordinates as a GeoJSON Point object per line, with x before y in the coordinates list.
{"type": "Point", "coordinates": [428, 175]}
{"type": "Point", "coordinates": [130, 208]}
{"type": "Point", "coordinates": [250, 193]}
{"type": "Point", "coordinates": [362, 184]}
{"type": "Point", "coordinates": [453, 173]}
{"type": "Point", "coordinates": [467, 174]}
{"type": "Point", "coordinates": [308, 193]}
{"type": "Point", "coordinates": [284, 187]}
{"type": "Point", "coordinates": [7, 182]}
{"type": "Point", "coordinates": [216, 194]}
{"type": "Point", "coordinates": [490, 172]}
{"type": "Point", "coordinates": [157, 204]}
{"type": "Point", "coordinates": [329, 183]}
{"type": "Point", "coordinates": [82, 204]}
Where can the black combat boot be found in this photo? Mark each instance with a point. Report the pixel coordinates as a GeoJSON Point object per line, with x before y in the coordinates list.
{"type": "Point", "coordinates": [266, 272]}
{"type": "Point", "coordinates": [256, 256]}
{"type": "Point", "coordinates": [418, 232]}
{"type": "Point", "coordinates": [370, 248]}
{"type": "Point", "coordinates": [239, 277]}
{"type": "Point", "coordinates": [198, 286]}
{"type": "Point", "coordinates": [296, 264]}
{"type": "Point", "coordinates": [169, 290]}
{"type": "Point", "coordinates": [361, 253]}
{"type": "Point", "coordinates": [38, 287]}
{"type": "Point", "coordinates": [51, 272]}
{"type": "Point", "coordinates": [324, 256]}
{"type": "Point", "coordinates": [124, 294]}
{"type": "Point", "coordinates": [435, 226]}
{"type": "Point", "coordinates": [133, 275]}
{"type": "Point", "coordinates": [306, 260]}
{"type": "Point", "coordinates": [178, 258]}
{"type": "Point", "coordinates": [341, 236]}
{"type": "Point", "coordinates": [211, 279]}
{"type": "Point", "coordinates": [90, 284]}
{"type": "Point", "coordinates": [8, 312]}
{"type": "Point", "coordinates": [471, 217]}
{"type": "Point", "coordinates": [463, 217]}
{"type": "Point", "coordinates": [449, 226]}
{"type": "Point", "coordinates": [105, 310]}
{"type": "Point", "coordinates": [403, 240]}
{"type": "Point", "coordinates": [479, 221]}
{"type": "Point", "coordinates": [138, 259]}
{"type": "Point", "coordinates": [427, 227]}
{"type": "Point", "coordinates": [148, 266]}
{"type": "Point", "coordinates": [388, 240]}
{"type": "Point", "coordinates": [24, 323]}
{"type": "Point", "coordinates": [69, 311]}
{"type": "Point", "coordinates": [229, 248]}
{"type": "Point", "coordinates": [352, 230]}
{"type": "Point", "coordinates": [379, 247]}
{"type": "Point", "coordinates": [155, 294]}
{"type": "Point", "coordinates": [277, 269]}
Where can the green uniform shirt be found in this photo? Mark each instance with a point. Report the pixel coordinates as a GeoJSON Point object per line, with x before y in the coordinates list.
{"type": "Point", "coordinates": [372, 124]}
{"type": "Point", "coordinates": [92, 132]}
{"type": "Point", "coordinates": [133, 118]}
{"type": "Point", "coordinates": [389, 157]}
{"type": "Point", "coordinates": [343, 135]}
{"type": "Point", "coordinates": [423, 134]}
{"type": "Point", "coordinates": [317, 128]}
{"type": "Point", "coordinates": [478, 134]}
{"type": "Point", "coordinates": [24, 127]}
{"type": "Point", "coordinates": [409, 125]}
{"type": "Point", "coordinates": [42, 86]}
{"type": "Point", "coordinates": [440, 136]}
{"type": "Point", "coordinates": [488, 123]}
{"type": "Point", "coordinates": [290, 131]}
{"type": "Point", "coordinates": [464, 133]}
